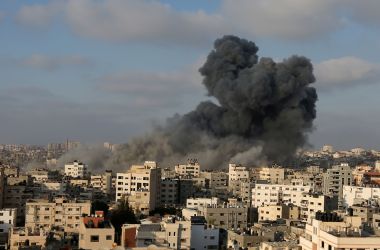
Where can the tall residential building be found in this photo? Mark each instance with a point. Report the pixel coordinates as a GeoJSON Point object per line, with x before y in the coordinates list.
{"type": "Point", "coordinates": [142, 181]}
{"type": "Point", "coordinates": [192, 168]}
{"type": "Point", "coordinates": [335, 178]}
{"type": "Point", "coordinates": [76, 169]}
{"type": "Point", "coordinates": [8, 218]}
{"type": "Point", "coordinates": [104, 182]}
{"type": "Point", "coordinates": [274, 175]}
{"type": "Point", "coordinates": [271, 194]}
{"type": "Point", "coordinates": [61, 213]}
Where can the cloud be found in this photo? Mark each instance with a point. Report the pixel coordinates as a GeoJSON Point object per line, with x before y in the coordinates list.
{"type": "Point", "coordinates": [346, 72]}
{"type": "Point", "coordinates": [45, 62]}
{"type": "Point", "coordinates": [365, 11]}
{"type": "Point", "coordinates": [38, 15]}
{"type": "Point", "coordinates": [152, 21]}
{"type": "Point", "coordinates": [289, 19]}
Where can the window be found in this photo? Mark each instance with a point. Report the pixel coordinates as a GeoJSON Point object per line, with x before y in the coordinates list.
{"type": "Point", "coordinates": [94, 238]}
{"type": "Point", "coordinates": [109, 237]}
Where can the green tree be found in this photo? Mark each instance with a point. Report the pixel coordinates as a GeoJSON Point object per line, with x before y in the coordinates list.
{"type": "Point", "coordinates": [123, 214]}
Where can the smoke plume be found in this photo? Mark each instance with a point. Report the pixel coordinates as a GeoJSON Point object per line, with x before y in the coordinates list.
{"type": "Point", "coordinates": [262, 113]}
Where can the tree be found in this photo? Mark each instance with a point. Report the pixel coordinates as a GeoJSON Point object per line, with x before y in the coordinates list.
{"type": "Point", "coordinates": [99, 205]}
{"type": "Point", "coordinates": [123, 214]}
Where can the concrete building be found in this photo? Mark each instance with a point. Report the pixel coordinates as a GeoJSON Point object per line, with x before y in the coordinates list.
{"type": "Point", "coordinates": [365, 212]}
{"type": "Point", "coordinates": [198, 203]}
{"type": "Point", "coordinates": [275, 212]}
{"type": "Point", "coordinates": [314, 202]}
{"type": "Point", "coordinates": [96, 233]}
{"type": "Point", "coordinates": [61, 213]}
{"type": "Point", "coordinates": [192, 168]}
{"type": "Point", "coordinates": [104, 182]}
{"type": "Point", "coordinates": [274, 175]}
{"type": "Point", "coordinates": [26, 238]}
{"type": "Point", "coordinates": [143, 180]}
{"type": "Point", "coordinates": [172, 234]}
{"type": "Point", "coordinates": [214, 179]}
{"type": "Point", "coordinates": [325, 234]}
{"type": "Point", "coordinates": [170, 192]}
{"type": "Point", "coordinates": [8, 218]}
{"type": "Point", "coordinates": [271, 194]}
{"type": "Point", "coordinates": [335, 178]}
{"type": "Point", "coordinates": [76, 169]}
{"type": "Point", "coordinates": [226, 217]}
{"type": "Point", "coordinates": [237, 173]}
{"type": "Point", "coordinates": [357, 195]}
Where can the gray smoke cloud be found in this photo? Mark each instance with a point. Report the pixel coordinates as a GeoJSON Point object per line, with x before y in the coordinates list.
{"type": "Point", "coordinates": [263, 111]}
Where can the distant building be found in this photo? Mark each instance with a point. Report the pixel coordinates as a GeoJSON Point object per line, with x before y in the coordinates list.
{"type": "Point", "coordinates": [76, 169]}
{"type": "Point", "coordinates": [192, 168]}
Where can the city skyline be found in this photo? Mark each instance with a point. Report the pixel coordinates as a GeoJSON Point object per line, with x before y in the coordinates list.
{"type": "Point", "coordinates": [89, 72]}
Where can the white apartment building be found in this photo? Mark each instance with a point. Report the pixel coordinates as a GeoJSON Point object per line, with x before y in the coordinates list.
{"type": "Point", "coordinates": [76, 169]}
{"type": "Point", "coordinates": [331, 235]}
{"type": "Point", "coordinates": [197, 203]}
{"type": "Point", "coordinates": [8, 217]}
{"type": "Point", "coordinates": [237, 173]}
{"type": "Point", "coordinates": [272, 194]}
{"type": "Point", "coordinates": [192, 168]}
{"type": "Point", "coordinates": [62, 213]}
{"type": "Point", "coordinates": [356, 195]}
{"type": "Point", "coordinates": [143, 179]}
{"type": "Point", "coordinates": [274, 175]}
{"type": "Point", "coordinates": [172, 234]}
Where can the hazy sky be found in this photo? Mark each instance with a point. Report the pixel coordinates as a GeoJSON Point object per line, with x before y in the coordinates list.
{"type": "Point", "coordinates": [101, 70]}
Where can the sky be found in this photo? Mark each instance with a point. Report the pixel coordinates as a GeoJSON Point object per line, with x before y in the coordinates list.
{"type": "Point", "coordinates": [97, 70]}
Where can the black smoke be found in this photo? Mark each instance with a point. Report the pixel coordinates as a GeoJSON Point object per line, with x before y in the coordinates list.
{"type": "Point", "coordinates": [263, 111]}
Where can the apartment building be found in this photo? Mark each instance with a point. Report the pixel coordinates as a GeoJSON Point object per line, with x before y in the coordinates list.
{"type": "Point", "coordinates": [226, 217]}
{"type": "Point", "coordinates": [198, 203]}
{"type": "Point", "coordinates": [169, 192]}
{"type": "Point", "coordinates": [365, 212]}
{"type": "Point", "coordinates": [334, 180]}
{"type": "Point", "coordinates": [237, 173]}
{"type": "Point", "coordinates": [143, 180]}
{"type": "Point", "coordinates": [275, 212]}
{"type": "Point", "coordinates": [104, 182]}
{"type": "Point", "coordinates": [26, 238]}
{"type": "Point", "coordinates": [192, 168]}
{"type": "Point", "coordinates": [272, 194]}
{"type": "Point", "coordinates": [356, 195]}
{"type": "Point", "coordinates": [96, 233]}
{"type": "Point", "coordinates": [172, 234]}
{"type": "Point", "coordinates": [274, 175]}
{"type": "Point", "coordinates": [61, 213]}
{"type": "Point", "coordinates": [214, 179]}
{"type": "Point", "coordinates": [327, 232]}
{"type": "Point", "coordinates": [8, 218]}
{"type": "Point", "coordinates": [314, 202]}
{"type": "Point", "coordinates": [76, 169]}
